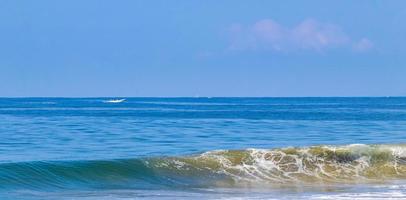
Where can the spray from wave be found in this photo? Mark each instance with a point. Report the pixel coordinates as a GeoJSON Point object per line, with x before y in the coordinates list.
{"type": "Point", "coordinates": [222, 168]}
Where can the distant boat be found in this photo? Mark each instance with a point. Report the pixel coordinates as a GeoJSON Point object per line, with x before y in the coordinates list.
{"type": "Point", "coordinates": [115, 101]}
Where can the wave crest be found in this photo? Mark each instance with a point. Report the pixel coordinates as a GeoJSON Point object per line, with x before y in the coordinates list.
{"type": "Point", "coordinates": [312, 164]}
{"type": "Point", "coordinates": [228, 168]}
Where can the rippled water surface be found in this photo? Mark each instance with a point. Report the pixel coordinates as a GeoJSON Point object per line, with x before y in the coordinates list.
{"type": "Point", "coordinates": [188, 148]}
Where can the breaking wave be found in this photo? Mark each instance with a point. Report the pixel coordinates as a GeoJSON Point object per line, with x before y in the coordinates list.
{"type": "Point", "coordinates": [221, 168]}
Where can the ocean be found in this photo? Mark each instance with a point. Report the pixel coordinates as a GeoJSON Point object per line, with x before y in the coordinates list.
{"type": "Point", "coordinates": [203, 148]}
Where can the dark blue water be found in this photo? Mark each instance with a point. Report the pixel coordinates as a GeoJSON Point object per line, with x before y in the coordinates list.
{"type": "Point", "coordinates": [80, 130]}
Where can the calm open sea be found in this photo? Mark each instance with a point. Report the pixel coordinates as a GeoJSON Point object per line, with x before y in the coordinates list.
{"type": "Point", "coordinates": [203, 148]}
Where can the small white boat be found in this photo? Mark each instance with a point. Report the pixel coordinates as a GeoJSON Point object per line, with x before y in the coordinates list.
{"type": "Point", "coordinates": [115, 101]}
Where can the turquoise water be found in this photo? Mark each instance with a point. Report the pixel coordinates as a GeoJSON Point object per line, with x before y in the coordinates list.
{"type": "Point", "coordinates": [205, 148]}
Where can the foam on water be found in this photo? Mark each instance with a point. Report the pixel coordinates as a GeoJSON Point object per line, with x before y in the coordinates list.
{"type": "Point", "coordinates": [317, 165]}
{"type": "Point", "coordinates": [166, 148]}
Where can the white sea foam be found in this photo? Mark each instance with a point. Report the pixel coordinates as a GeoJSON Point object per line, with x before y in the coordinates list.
{"type": "Point", "coordinates": [355, 163]}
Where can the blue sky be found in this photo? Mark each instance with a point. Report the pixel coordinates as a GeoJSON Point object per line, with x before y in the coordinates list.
{"type": "Point", "coordinates": [202, 48]}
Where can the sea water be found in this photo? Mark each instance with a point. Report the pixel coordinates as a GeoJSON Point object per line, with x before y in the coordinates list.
{"type": "Point", "coordinates": [203, 148]}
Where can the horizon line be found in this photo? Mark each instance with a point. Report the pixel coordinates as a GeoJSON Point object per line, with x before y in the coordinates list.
{"type": "Point", "coordinates": [72, 97]}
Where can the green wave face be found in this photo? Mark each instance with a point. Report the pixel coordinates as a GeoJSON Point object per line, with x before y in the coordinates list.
{"type": "Point", "coordinates": [222, 168]}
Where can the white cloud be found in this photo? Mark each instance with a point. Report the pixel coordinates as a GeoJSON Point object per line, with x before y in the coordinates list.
{"type": "Point", "coordinates": [268, 30]}
{"type": "Point", "coordinates": [363, 45]}
{"type": "Point", "coordinates": [311, 34]}
{"type": "Point", "coordinates": [307, 35]}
